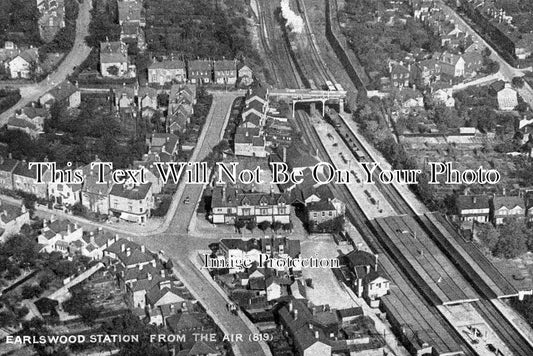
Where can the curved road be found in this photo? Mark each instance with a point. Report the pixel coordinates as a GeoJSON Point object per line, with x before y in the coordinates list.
{"type": "Point", "coordinates": [76, 56]}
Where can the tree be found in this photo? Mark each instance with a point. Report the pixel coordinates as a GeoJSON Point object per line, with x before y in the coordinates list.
{"type": "Point", "coordinates": [31, 291]}
{"type": "Point", "coordinates": [264, 225]}
{"type": "Point", "coordinates": [488, 235]}
{"type": "Point", "coordinates": [113, 70]}
{"type": "Point", "coordinates": [239, 224]}
{"type": "Point", "coordinates": [79, 209]}
{"type": "Point", "coordinates": [251, 225]}
{"type": "Point", "coordinates": [288, 226]}
{"type": "Point", "coordinates": [518, 82]}
{"type": "Point", "coordinates": [512, 241]}
{"type": "Point", "coordinates": [276, 225]}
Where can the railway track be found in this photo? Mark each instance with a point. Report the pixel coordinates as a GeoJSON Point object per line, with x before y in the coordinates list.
{"type": "Point", "coordinates": [294, 64]}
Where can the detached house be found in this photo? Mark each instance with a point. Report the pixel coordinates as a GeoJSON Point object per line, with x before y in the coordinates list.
{"type": "Point", "coordinates": [167, 71]}
{"type": "Point", "coordinates": [452, 64]}
{"type": "Point", "coordinates": [400, 75]}
{"type": "Point", "coordinates": [114, 60]}
{"type": "Point", "coordinates": [131, 201]}
{"type": "Point", "coordinates": [130, 11]}
{"type": "Point", "coordinates": [245, 75]}
{"type": "Point", "coordinates": [365, 280]}
{"type": "Point", "coordinates": [164, 146]}
{"type": "Point", "coordinates": [200, 71]}
{"type": "Point", "coordinates": [58, 235]}
{"type": "Point", "coordinates": [64, 194]}
{"type": "Point", "coordinates": [30, 120]}
{"type": "Point", "coordinates": [225, 72]}
{"type": "Point", "coordinates": [12, 217]}
{"type": "Point", "coordinates": [65, 92]}
{"type": "Point", "coordinates": [25, 64]}
{"type": "Point", "coordinates": [473, 208]}
{"type": "Point", "coordinates": [507, 98]}
{"type": "Point", "coordinates": [507, 207]}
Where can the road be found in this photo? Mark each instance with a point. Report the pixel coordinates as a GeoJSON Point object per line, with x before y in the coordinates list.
{"type": "Point", "coordinates": [179, 246]}
{"type": "Point", "coordinates": [506, 70]}
{"type": "Point", "coordinates": [76, 56]}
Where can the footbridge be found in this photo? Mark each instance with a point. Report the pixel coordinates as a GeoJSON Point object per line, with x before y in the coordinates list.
{"type": "Point", "coordinates": [311, 96]}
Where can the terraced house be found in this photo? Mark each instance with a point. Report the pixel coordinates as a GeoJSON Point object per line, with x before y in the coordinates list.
{"type": "Point", "coordinates": [230, 204]}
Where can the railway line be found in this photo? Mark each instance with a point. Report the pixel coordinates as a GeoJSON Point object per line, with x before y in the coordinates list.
{"type": "Point", "coordinates": [424, 316]}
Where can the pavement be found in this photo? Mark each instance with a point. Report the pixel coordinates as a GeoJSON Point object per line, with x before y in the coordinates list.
{"type": "Point", "coordinates": [172, 236]}
{"type": "Point", "coordinates": [76, 56]}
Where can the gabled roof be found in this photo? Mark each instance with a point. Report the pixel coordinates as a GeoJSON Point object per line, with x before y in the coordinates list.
{"type": "Point", "coordinates": [63, 91]}
{"type": "Point", "coordinates": [322, 205]}
{"type": "Point", "coordinates": [200, 348]}
{"type": "Point", "coordinates": [469, 202]}
{"type": "Point", "coordinates": [225, 65]}
{"type": "Point", "coordinates": [200, 65]}
{"type": "Point", "coordinates": [7, 164]}
{"type": "Point", "coordinates": [131, 192]}
{"type": "Point", "coordinates": [183, 322]}
{"type": "Point", "coordinates": [9, 212]}
{"type": "Point", "coordinates": [22, 170]}
{"type": "Point", "coordinates": [361, 258]}
{"type": "Point", "coordinates": [113, 52]}
{"type": "Point", "coordinates": [508, 202]}
{"type": "Point", "coordinates": [168, 64]}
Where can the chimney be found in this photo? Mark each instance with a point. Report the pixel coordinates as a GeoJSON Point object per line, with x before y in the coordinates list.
{"type": "Point", "coordinates": [367, 269]}
{"type": "Point", "coordinates": [140, 267]}
{"type": "Point", "coordinates": [92, 238]}
{"type": "Point", "coordinates": [162, 273]}
{"type": "Point", "coordinates": [143, 249]}
{"type": "Point", "coordinates": [474, 199]}
{"type": "Point", "coordinates": [149, 277]}
{"type": "Point", "coordinates": [122, 248]}
{"type": "Point", "coordinates": [503, 191]}
{"type": "Point", "coordinates": [317, 335]}
{"type": "Point", "coordinates": [128, 252]}
{"type": "Point", "coordinates": [295, 314]}
{"type": "Point", "coordinates": [184, 306]}
{"type": "Point", "coordinates": [69, 229]}
{"type": "Point", "coordinates": [376, 266]}
{"type": "Point", "coordinates": [153, 263]}
{"type": "Point", "coordinates": [290, 306]}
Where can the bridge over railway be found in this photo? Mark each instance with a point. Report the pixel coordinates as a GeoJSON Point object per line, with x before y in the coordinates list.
{"type": "Point", "coordinates": [311, 96]}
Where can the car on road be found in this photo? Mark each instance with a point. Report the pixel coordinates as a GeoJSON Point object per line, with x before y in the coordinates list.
{"type": "Point", "coordinates": [187, 200]}
{"type": "Point", "coordinates": [491, 348]}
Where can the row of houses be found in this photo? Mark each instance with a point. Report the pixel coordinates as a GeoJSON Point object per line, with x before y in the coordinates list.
{"type": "Point", "coordinates": [261, 127]}
{"type": "Point", "coordinates": [51, 18]}
{"type": "Point", "coordinates": [131, 201]}
{"type": "Point", "coordinates": [496, 209]}
{"type": "Point", "coordinates": [116, 63]}
{"type": "Point", "coordinates": [200, 71]}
